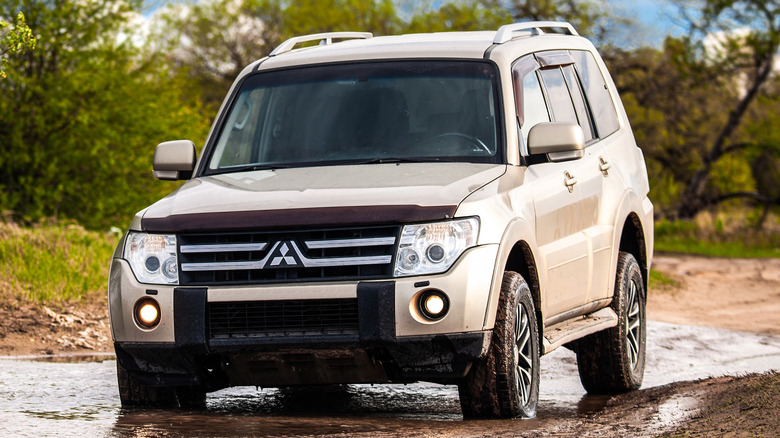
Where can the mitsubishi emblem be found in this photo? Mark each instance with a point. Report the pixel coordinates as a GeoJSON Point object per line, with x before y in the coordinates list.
{"type": "Point", "coordinates": [284, 256]}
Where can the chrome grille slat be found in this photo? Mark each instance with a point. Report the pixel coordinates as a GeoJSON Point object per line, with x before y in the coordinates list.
{"type": "Point", "coordinates": [349, 243]}
{"type": "Point", "coordinates": [195, 249]}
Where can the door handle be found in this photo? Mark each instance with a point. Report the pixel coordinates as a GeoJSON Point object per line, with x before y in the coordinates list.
{"type": "Point", "coordinates": [604, 166]}
{"type": "Point", "coordinates": [569, 181]}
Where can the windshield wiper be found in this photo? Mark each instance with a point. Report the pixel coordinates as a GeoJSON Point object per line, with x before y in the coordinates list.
{"type": "Point", "coordinates": [263, 167]}
{"type": "Point", "coordinates": [395, 160]}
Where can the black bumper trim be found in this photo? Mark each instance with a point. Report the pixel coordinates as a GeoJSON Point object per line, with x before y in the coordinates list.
{"type": "Point", "coordinates": [439, 358]}
{"type": "Point", "coordinates": [189, 318]}
{"type": "Point", "coordinates": [376, 312]}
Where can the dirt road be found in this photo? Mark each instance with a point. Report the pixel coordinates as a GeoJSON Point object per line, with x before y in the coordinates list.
{"type": "Point", "coordinates": [736, 294]}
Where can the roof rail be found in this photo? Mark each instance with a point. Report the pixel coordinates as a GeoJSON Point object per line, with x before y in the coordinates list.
{"type": "Point", "coordinates": [324, 39]}
{"type": "Point", "coordinates": [504, 33]}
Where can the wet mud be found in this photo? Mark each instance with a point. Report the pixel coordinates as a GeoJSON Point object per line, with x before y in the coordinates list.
{"type": "Point", "coordinates": [77, 396]}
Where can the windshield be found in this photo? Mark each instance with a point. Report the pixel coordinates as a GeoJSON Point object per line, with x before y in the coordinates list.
{"type": "Point", "coordinates": [369, 112]}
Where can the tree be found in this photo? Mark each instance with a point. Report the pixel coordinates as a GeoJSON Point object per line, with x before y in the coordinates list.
{"type": "Point", "coordinates": [459, 17]}
{"type": "Point", "coordinates": [80, 116]}
{"type": "Point", "coordinates": [738, 40]}
{"type": "Point", "coordinates": [672, 107]}
{"type": "Point", "coordinates": [587, 16]}
{"type": "Point", "coordinates": [14, 41]}
{"type": "Point", "coordinates": [214, 40]}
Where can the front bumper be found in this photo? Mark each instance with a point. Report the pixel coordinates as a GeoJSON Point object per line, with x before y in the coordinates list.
{"type": "Point", "coordinates": [440, 359]}
{"type": "Point", "coordinates": [391, 342]}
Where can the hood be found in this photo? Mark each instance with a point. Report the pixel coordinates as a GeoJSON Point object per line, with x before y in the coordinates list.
{"type": "Point", "coordinates": [319, 196]}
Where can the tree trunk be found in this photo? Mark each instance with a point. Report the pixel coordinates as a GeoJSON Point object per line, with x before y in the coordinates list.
{"type": "Point", "coordinates": [694, 198]}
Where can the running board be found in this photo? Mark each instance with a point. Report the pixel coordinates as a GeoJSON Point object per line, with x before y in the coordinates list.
{"type": "Point", "coordinates": [570, 330]}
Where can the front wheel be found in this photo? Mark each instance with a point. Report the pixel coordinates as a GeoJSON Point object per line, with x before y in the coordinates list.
{"type": "Point", "coordinates": [613, 360]}
{"type": "Point", "coordinates": [505, 384]}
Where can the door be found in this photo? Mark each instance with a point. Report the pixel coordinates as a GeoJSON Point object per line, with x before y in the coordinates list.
{"type": "Point", "coordinates": [555, 192]}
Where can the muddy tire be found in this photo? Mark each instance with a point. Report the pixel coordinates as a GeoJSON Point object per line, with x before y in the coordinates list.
{"type": "Point", "coordinates": [613, 360]}
{"type": "Point", "coordinates": [505, 384]}
{"type": "Point", "coordinates": [133, 393]}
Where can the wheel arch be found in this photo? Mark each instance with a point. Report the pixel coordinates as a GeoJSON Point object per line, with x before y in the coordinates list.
{"type": "Point", "coordinates": [634, 232]}
{"type": "Point", "coordinates": [517, 253]}
{"type": "Point", "coordinates": [633, 241]}
{"type": "Point", "coordinates": [521, 260]}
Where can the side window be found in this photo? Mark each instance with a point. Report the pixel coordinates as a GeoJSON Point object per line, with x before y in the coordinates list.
{"type": "Point", "coordinates": [534, 107]}
{"type": "Point", "coordinates": [598, 94]}
{"type": "Point", "coordinates": [567, 103]}
{"type": "Point", "coordinates": [561, 105]}
{"type": "Point", "coordinates": [530, 103]}
{"type": "Point", "coordinates": [580, 105]}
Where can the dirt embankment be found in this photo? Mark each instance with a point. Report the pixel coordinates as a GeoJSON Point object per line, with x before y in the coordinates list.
{"type": "Point", "coordinates": [27, 329]}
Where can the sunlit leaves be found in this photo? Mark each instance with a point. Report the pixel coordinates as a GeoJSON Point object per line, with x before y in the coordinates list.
{"type": "Point", "coordinates": [15, 38]}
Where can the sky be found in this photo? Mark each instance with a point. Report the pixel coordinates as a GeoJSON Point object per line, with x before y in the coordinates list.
{"type": "Point", "coordinates": [654, 18]}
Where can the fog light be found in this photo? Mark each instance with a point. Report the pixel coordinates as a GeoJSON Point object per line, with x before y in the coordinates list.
{"type": "Point", "coordinates": [147, 313]}
{"type": "Point", "coordinates": [433, 304]}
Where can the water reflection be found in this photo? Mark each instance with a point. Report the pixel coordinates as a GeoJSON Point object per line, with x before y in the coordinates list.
{"type": "Point", "coordinates": [70, 358]}
{"type": "Point", "coordinates": [382, 410]}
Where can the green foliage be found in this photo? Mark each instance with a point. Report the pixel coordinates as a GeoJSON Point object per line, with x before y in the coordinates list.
{"type": "Point", "coordinates": [314, 16]}
{"type": "Point", "coordinates": [14, 41]}
{"type": "Point", "coordinates": [733, 42]}
{"type": "Point", "coordinates": [720, 239]}
{"type": "Point", "coordinates": [732, 174]}
{"type": "Point", "coordinates": [213, 41]}
{"type": "Point", "coordinates": [587, 16]}
{"type": "Point", "coordinates": [53, 262]}
{"type": "Point", "coordinates": [678, 106]}
{"type": "Point", "coordinates": [80, 117]}
{"type": "Point", "coordinates": [459, 17]}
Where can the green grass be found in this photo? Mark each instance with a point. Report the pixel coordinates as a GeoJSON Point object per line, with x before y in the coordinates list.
{"type": "Point", "coordinates": [688, 237]}
{"type": "Point", "coordinates": [659, 280]}
{"type": "Point", "coordinates": [53, 262]}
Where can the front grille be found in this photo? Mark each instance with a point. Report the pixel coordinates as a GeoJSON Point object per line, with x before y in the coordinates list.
{"type": "Point", "coordinates": [280, 257]}
{"type": "Point", "coordinates": [283, 318]}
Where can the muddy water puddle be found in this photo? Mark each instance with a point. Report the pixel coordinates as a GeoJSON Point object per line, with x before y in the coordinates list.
{"type": "Point", "coordinates": [77, 396]}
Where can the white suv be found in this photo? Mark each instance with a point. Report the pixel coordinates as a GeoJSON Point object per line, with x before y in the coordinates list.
{"type": "Point", "coordinates": [440, 207]}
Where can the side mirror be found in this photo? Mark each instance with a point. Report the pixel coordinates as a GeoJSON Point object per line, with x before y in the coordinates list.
{"type": "Point", "coordinates": [559, 141]}
{"type": "Point", "coordinates": [174, 160]}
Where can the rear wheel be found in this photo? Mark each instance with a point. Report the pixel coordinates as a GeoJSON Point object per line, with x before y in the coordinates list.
{"type": "Point", "coordinates": [613, 360]}
{"type": "Point", "coordinates": [505, 384]}
{"type": "Point", "coordinates": [133, 393]}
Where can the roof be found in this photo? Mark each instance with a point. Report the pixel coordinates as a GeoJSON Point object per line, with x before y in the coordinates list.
{"type": "Point", "coordinates": [355, 46]}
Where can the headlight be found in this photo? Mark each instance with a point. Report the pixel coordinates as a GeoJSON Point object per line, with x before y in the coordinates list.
{"type": "Point", "coordinates": [433, 248]}
{"type": "Point", "coordinates": [152, 257]}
